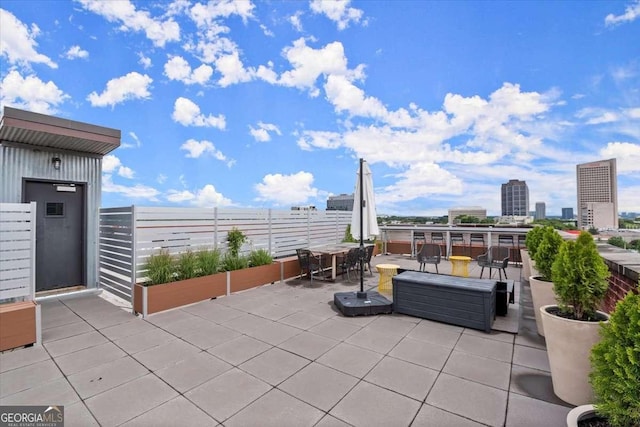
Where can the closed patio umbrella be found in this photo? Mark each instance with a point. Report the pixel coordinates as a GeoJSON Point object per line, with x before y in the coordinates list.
{"type": "Point", "coordinates": [364, 206]}
{"type": "Point", "coordinates": [364, 221]}
{"type": "Point", "coordinates": [364, 225]}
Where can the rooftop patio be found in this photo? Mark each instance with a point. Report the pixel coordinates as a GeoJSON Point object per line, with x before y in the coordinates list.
{"type": "Point", "coordinates": [282, 355]}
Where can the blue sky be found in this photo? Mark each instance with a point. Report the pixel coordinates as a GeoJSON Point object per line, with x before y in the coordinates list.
{"type": "Point", "coordinates": [271, 103]}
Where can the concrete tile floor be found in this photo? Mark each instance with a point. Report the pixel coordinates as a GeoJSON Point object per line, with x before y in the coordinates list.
{"type": "Point", "coordinates": [282, 355]}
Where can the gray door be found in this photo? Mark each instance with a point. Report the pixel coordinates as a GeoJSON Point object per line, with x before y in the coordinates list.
{"type": "Point", "coordinates": [59, 233]}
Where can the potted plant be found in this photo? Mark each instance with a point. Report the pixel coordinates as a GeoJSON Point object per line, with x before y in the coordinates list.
{"type": "Point", "coordinates": [544, 254]}
{"type": "Point", "coordinates": [615, 374]}
{"type": "Point", "coordinates": [571, 327]}
{"type": "Point", "coordinates": [531, 245]}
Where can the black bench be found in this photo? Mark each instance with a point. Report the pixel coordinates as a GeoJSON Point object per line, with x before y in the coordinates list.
{"type": "Point", "coordinates": [456, 300]}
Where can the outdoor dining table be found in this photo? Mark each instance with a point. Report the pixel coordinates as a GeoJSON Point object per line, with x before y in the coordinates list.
{"type": "Point", "coordinates": [333, 250]}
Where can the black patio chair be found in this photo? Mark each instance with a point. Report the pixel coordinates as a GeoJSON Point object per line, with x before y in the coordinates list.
{"type": "Point", "coordinates": [418, 236]}
{"type": "Point", "coordinates": [310, 264]}
{"type": "Point", "coordinates": [349, 262]}
{"type": "Point", "coordinates": [496, 257]}
{"type": "Point", "coordinates": [429, 254]}
{"type": "Point", "coordinates": [367, 259]}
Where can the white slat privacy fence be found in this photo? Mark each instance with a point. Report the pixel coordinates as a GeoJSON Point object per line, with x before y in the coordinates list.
{"type": "Point", "coordinates": [17, 251]}
{"type": "Point", "coordinates": [129, 235]}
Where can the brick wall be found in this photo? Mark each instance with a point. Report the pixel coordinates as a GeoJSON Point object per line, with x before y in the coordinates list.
{"type": "Point", "coordinates": [619, 286]}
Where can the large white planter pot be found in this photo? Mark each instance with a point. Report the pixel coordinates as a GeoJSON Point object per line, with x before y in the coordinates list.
{"type": "Point", "coordinates": [526, 263]}
{"type": "Point", "coordinates": [569, 344]}
{"type": "Point", "coordinates": [541, 294]}
{"type": "Point", "coordinates": [578, 414]}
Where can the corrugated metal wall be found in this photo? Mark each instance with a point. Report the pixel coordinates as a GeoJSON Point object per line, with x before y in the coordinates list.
{"type": "Point", "coordinates": [17, 163]}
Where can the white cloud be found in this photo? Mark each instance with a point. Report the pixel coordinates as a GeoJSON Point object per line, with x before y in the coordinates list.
{"type": "Point", "coordinates": [111, 164]}
{"type": "Point", "coordinates": [631, 13]}
{"type": "Point", "coordinates": [206, 197]}
{"type": "Point", "coordinates": [266, 31]}
{"type": "Point", "coordinates": [196, 149]}
{"type": "Point", "coordinates": [622, 73]}
{"type": "Point", "coordinates": [123, 11]}
{"type": "Point", "coordinates": [136, 142]}
{"type": "Point", "coordinates": [176, 196]}
{"type": "Point", "coordinates": [136, 139]}
{"type": "Point", "coordinates": [126, 172]}
{"type": "Point", "coordinates": [627, 155]}
{"type": "Point", "coordinates": [505, 127]}
{"type": "Point", "coordinates": [319, 139]}
{"type": "Point", "coordinates": [232, 70]}
{"type": "Point", "coordinates": [421, 179]}
{"type": "Point", "coordinates": [309, 64]}
{"type": "Point", "coordinates": [286, 189]}
{"type": "Point", "coordinates": [337, 11]}
{"type": "Point", "coordinates": [76, 52]}
{"type": "Point", "coordinates": [207, 15]}
{"type": "Point", "coordinates": [131, 86]}
{"type": "Point", "coordinates": [161, 178]}
{"type": "Point", "coordinates": [295, 21]}
{"type": "Point", "coordinates": [177, 68]}
{"type": "Point", "coordinates": [144, 60]}
{"type": "Point", "coordinates": [138, 191]}
{"type": "Point", "coordinates": [187, 113]}
{"type": "Point", "coordinates": [18, 42]}
{"type": "Point", "coordinates": [30, 93]}
{"type": "Point", "coordinates": [261, 132]}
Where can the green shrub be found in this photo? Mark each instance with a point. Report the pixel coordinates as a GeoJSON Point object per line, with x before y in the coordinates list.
{"type": "Point", "coordinates": [348, 238]}
{"type": "Point", "coordinates": [547, 252]}
{"type": "Point", "coordinates": [160, 268]}
{"type": "Point", "coordinates": [231, 263]}
{"type": "Point", "coordinates": [235, 238]}
{"type": "Point", "coordinates": [187, 266]}
{"type": "Point", "coordinates": [208, 262]}
{"type": "Point", "coordinates": [617, 241]}
{"type": "Point", "coordinates": [260, 257]}
{"type": "Point", "coordinates": [615, 362]}
{"type": "Point", "coordinates": [580, 277]}
{"type": "Point", "coordinates": [534, 236]}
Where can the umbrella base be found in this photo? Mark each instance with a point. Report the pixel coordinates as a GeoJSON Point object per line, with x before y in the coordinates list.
{"type": "Point", "coordinates": [362, 303]}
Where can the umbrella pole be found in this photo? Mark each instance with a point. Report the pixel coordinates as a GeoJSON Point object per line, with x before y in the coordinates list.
{"type": "Point", "coordinates": [362, 253]}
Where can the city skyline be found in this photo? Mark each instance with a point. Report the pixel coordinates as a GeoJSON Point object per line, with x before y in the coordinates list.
{"type": "Point", "coordinates": [271, 104]}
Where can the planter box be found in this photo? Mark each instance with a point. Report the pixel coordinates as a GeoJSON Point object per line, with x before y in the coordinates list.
{"type": "Point", "coordinates": [19, 324]}
{"type": "Point", "coordinates": [290, 267]}
{"type": "Point", "coordinates": [157, 298]}
{"type": "Point", "coordinates": [248, 278]}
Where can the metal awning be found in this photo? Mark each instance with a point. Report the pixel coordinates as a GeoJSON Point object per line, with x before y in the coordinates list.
{"type": "Point", "coordinates": [40, 130]}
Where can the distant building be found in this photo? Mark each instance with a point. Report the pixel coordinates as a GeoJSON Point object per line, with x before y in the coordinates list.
{"type": "Point", "coordinates": [476, 211]}
{"type": "Point", "coordinates": [541, 210]}
{"type": "Point", "coordinates": [597, 184]}
{"type": "Point", "coordinates": [342, 202]}
{"type": "Point", "coordinates": [567, 213]}
{"type": "Point", "coordinates": [303, 208]}
{"type": "Point", "coordinates": [515, 220]}
{"type": "Point", "coordinates": [515, 198]}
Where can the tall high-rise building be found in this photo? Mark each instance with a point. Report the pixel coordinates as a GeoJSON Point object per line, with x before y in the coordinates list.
{"type": "Point", "coordinates": [541, 210]}
{"type": "Point", "coordinates": [515, 198]}
{"type": "Point", "coordinates": [567, 213]}
{"type": "Point", "coordinates": [597, 184]}
{"type": "Point", "coordinates": [342, 202]}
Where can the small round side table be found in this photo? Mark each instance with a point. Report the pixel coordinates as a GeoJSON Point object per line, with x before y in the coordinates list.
{"type": "Point", "coordinates": [460, 265]}
{"type": "Point", "coordinates": [387, 271]}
